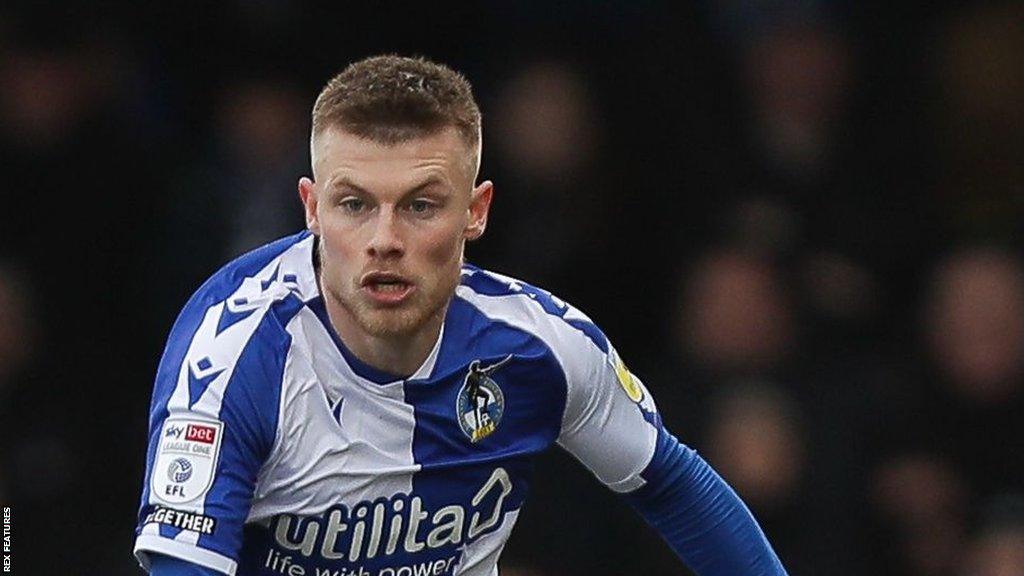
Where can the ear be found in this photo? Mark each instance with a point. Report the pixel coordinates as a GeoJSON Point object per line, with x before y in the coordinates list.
{"type": "Point", "coordinates": [479, 206]}
{"type": "Point", "coordinates": [307, 192]}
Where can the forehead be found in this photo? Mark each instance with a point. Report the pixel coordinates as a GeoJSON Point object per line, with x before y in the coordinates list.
{"type": "Point", "coordinates": [338, 153]}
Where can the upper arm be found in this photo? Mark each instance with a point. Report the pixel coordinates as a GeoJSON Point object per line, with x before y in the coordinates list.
{"type": "Point", "coordinates": [213, 423]}
{"type": "Point", "coordinates": [610, 422]}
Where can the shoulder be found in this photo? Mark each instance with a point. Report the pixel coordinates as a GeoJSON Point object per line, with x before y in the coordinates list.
{"type": "Point", "coordinates": [236, 320]}
{"type": "Point", "coordinates": [509, 301]}
{"type": "Point", "coordinates": [259, 276]}
{"type": "Point", "coordinates": [253, 282]}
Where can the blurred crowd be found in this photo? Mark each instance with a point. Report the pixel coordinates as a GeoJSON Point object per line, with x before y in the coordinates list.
{"type": "Point", "coordinates": [800, 223]}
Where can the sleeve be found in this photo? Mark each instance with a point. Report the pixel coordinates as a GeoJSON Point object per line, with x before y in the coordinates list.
{"type": "Point", "coordinates": [611, 422]}
{"type": "Point", "coordinates": [700, 516]}
{"type": "Point", "coordinates": [212, 426]}
{"type": "Point", "coordinates": [612, 426]}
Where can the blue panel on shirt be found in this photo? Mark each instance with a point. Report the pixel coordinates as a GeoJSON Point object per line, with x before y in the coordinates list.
{"type": "Point", "coordinates": [483, 283]}
{"type": "Point", "coordinates": [250, 412]}
{"type": "Point", "coordinates": [454, 468]}
{"type": "Point", "coordinates": [216, 289]}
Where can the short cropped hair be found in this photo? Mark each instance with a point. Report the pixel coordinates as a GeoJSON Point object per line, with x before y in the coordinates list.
{"type": "Point", "coordinates": [393, 99]}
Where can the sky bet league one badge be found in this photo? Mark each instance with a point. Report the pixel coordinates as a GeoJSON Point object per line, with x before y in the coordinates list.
{"type": "Point", "coordinates": [480, 403]}
{"type": "Point", "coordinates": [186, 460]}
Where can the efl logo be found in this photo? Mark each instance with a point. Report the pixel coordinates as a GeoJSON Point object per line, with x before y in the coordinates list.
{"type": "Point", "coordinates": [198, 433]}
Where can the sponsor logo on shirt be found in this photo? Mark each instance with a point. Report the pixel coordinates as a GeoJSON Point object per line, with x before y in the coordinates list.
{"type": "Point", "coordinates": [398, 526]}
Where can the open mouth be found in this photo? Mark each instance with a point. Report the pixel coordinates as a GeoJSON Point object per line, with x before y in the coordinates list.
{"type": "Point", "coordinates": [386, 288]}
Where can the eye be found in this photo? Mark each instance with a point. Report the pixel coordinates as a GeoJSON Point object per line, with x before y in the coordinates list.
{"type": "Point", "coordinates": [352, 205]}
{"type": "Point", "coordinates": [421, 206]}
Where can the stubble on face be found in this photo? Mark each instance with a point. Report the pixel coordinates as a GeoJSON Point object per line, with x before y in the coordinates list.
{"type": "Point", "coordinates": [429, 301]}
{"type": "Point", "coordinates": [424, 252]}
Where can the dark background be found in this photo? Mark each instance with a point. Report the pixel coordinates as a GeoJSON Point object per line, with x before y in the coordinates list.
{"type": "Point", "coordinates": [799, 222]}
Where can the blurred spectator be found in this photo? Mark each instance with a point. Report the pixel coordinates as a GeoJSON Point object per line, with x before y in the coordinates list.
{"type": "Point", "coordinates": [544, 123]}
{"type": "Point", "coordinates": [241, 191]}
{"type": "Point", "coordinates": [923, 504]}
{"type": "Point", "coordinates": [838, 288]}
{"type": "Point", "coordinates": [829, 186]}
{"type": "Point", "coordinates": [797, 74]}
{"type": "Point", "coordinates": [736, 317]}
{"type": "Point", "coordinates": [552, 200]}
{"type": "Point", "coordinates": [782, 424]}
{"type": "Point", "coordinates": [37, 464]}
{"type": "Point", "coordinates": [840, 296]}
{"type": "Point", "coordinates": [75, 212]}
{"type": "Point", "coordinates": [948, 440]}
{"type": "Point", "coordinates": [975, 325]}
{"type": "Point", "coordinates": [262, 127]}
{"type": "Point", "coordinates": [756, 442]}
{"type": "Point", "coordinates": [975, 333]}
{"type": "Point", "coordinates": [997, 549]}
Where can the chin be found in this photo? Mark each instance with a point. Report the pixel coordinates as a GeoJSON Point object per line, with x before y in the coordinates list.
{"type": "Point", "coordinates": [391, 323]}
{"type": "Point", "coordinates": [396, 322]}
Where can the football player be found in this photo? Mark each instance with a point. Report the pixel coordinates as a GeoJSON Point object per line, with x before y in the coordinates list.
{"type": "Point", "coordinates": [356, 399]}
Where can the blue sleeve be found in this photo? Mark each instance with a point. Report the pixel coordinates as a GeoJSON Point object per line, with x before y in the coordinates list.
{"type": "Point", "coordinates": [213, 424]}
{"type": "Point", "coordinates": [167, 566]}
{"type": "Point", "coordinates": [700, 516]}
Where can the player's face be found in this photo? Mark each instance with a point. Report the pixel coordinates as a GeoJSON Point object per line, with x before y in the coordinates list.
{"type": "Point", "coordinates": [392, 223]}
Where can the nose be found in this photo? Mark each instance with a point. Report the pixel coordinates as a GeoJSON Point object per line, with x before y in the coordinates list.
{"type": "Point", "coordinates": [386, 241]}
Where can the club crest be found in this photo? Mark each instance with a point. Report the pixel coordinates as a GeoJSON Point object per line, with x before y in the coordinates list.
{"type": "Point", "coordinates": [480, 404]}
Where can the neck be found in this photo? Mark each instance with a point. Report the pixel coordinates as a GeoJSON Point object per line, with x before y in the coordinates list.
{"type": "Point", "coordinates": [400, 355]}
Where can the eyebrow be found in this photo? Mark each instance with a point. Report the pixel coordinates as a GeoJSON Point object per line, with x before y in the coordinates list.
{"type": "Point", "coordinates": [345, 182]}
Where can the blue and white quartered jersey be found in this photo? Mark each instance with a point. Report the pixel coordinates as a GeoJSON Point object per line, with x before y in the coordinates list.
{"type": "Point", "coordinates": [271, 446]}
